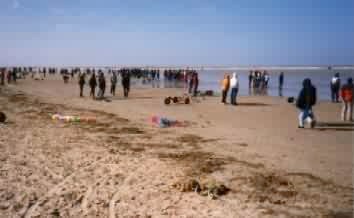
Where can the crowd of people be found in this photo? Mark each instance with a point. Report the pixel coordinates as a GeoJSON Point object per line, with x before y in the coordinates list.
{"type": "Point", "coordinates": [257, 80]}
{"type": "Point", "coordinates": [100, 82]}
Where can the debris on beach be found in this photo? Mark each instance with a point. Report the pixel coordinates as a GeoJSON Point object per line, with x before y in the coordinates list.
{"type": "Point", "coordinates": [2, 117]}
{"type": "Point", "coordinates": [291, 100]}
{"type": "Point", "coordinates": [211, 189]}
{"type": "Point", "coordinates": [185, 99]}
{"type": "Point", "coordinates": [164, 122]}
{"type": "Point", "coordinates": [73, 118]}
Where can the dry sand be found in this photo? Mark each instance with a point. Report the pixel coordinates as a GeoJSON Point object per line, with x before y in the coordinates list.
{"type": "Point", "coordinates": [122, 166]}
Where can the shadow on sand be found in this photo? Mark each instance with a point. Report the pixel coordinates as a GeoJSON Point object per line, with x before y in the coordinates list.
{"type": "Point", "coordinates": [252, 104]}
{"type": "Point", "coordinates": [335, 126]}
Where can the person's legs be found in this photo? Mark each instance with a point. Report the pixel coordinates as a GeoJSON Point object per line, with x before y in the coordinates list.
{"type": "Point", "coordinates": [232, 96]}
{"type": "Point", "coordinates": [344, 111]}
{"type": "Point", "coordinates": [81, 90]}
{"type": "Point", "coordinates": [114, 90]}
{"type": "Point", "coordinates": [223, 100]}
{"type": "Point", "coordinates": [337, 95]}
{"type": "Point", "coordinates": [301, 119]}
{"type": "Point", "coordinates": [235, 99]}
{"type": "Point", "coordinates": [350, 111]}
{"type": "Point", "coordinates": [332, 94]}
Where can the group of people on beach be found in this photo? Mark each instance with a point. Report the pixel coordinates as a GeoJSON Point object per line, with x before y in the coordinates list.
{"type": "Point", "coordinates": [257, 80]}
{"type": "Point", "coordinates": [345, 92]}
{"type": "Point", "coordinates": [230, 83]}
{"type": "Point", "coordinates": [100, 81]}
{"type": "Point", "coordinates": [308, 97]}
{"type": "Point", "coordinates": [11, 76]}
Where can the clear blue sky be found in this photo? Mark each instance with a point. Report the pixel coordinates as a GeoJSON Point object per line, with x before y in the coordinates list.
{"type": "Point", "coordinates": [162, 32]}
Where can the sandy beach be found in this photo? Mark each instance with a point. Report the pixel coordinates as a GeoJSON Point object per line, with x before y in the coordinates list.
{"type": "Point", "coordinates": [123, 166]}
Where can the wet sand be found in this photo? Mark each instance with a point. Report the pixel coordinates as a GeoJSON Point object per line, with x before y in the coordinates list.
{"type": "Point", "coordinates": [122, 166]}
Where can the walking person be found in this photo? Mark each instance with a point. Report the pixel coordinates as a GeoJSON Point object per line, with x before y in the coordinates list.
{"type": "Point", "coordinates": [306, 100]}
{"type": "Point", "coordinates": [126, 83]}
{"type": "Point", "coordinates": [347, 96]}
{"type": "Point", "coordinates": [234, 84]}
{"type": "Point", "coordinates": [81, 84]}
{"type": "Point", "coordinates": [93, 85]}
{"type": "Point", "coordinates": [225, 85]}
{"type": "Point", "coordinates": [113, 83]}
{"type": "Point", "coordinates": [101, 85]}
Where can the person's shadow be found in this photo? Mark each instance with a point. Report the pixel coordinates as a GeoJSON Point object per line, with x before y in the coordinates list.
{"type": "Point", "coordinates": [335, 126]}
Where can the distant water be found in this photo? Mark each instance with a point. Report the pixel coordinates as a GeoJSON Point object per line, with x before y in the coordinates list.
{"type": "Point", "coordinates": [210, 80]}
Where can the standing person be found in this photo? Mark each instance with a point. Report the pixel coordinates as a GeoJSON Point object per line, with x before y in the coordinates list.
{"type": "Point", "coordinates": [93, 84]}
{"type": "Point", "coordinates": [306, 100]}
{"type": "Point", "coordinates": [346, 93]}
{"type": "Point", "coordinates": [225, 85]}
{"type": "Point", "coordinates": [335, 87]}
{"type": "Point", "coordinates": [281, 80]}
{"type": "Point", "coordinates": [266, 79]}
{"type": "Point", "coordinates": [8, 75]}
{"type": "Point", "coordinates": [101, 85]}
{"type": "Point", "coordinates": [250, 79]}
{"type": "Point", "coordinates": [113, 83]}
{"type": "Point", "coordinates": [195, 83]}
{"type": "Point", "coordinates": [190, 83]}
{"type": "Point", "coordinates": [2, 77]}
{"type": "Point", "coordinates": [281, 83]}
{"type": "Point", "coordinates": [126, 83]}
{"type": "Point", "coordinates": [234, 84]}
{"type": "Point", "coordinates": [81, 84]}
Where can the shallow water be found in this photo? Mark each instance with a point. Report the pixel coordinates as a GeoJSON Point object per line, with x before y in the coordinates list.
{"type": "Point", "coordinates": [210, 80]}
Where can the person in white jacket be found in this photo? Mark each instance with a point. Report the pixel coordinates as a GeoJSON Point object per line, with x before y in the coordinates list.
{"type": "Point", "coordinates": [234, 85]}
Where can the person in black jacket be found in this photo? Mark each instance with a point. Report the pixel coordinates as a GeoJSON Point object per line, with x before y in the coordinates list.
{"type": "Point", "coordinates": [126, 83]}
{"type": "Point", "coordinates": [113, 83]}
{"type": "Point", "coordinates": [101, 85]}
{"type": "Point", "coordinates": [306, 100]}
{"type": "Point", "coordinates": [93, 84]}
{"type": "Point", "coordinates": [81, 84]}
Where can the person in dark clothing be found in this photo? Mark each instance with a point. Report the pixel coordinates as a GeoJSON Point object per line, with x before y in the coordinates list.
{"type": "Point", "coordinates": [81, 84]}
{"type": "Point", "coordinates": [347, 94]}
{"type": "Point", "coordinates": [250, 79]}
{"type": "Point", "coordinates": [113, 83]}
{"type": "Point", "coordinates": [281, 83]}
{"type": "Point", "coordinates": [2, 77]}
{"type": "Point", "coordinates": [101, 85]}
{"type": "Point", "coordinates": [335, 87]}
{"type": "Point", "coordinates": [126, 83]}
{"type": "Point", "coordinates": [14, 75]}
{"type": "Point", "coordinates": [9, 75]}
{"type": "Point", "coordinates": [93, 85]}
{"type": "Point", "coordinates": [306, 100]}
{"type": "Point", "coordinates": [195, 83]}
{"type": "Point", "coordinates": [190, 78]}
